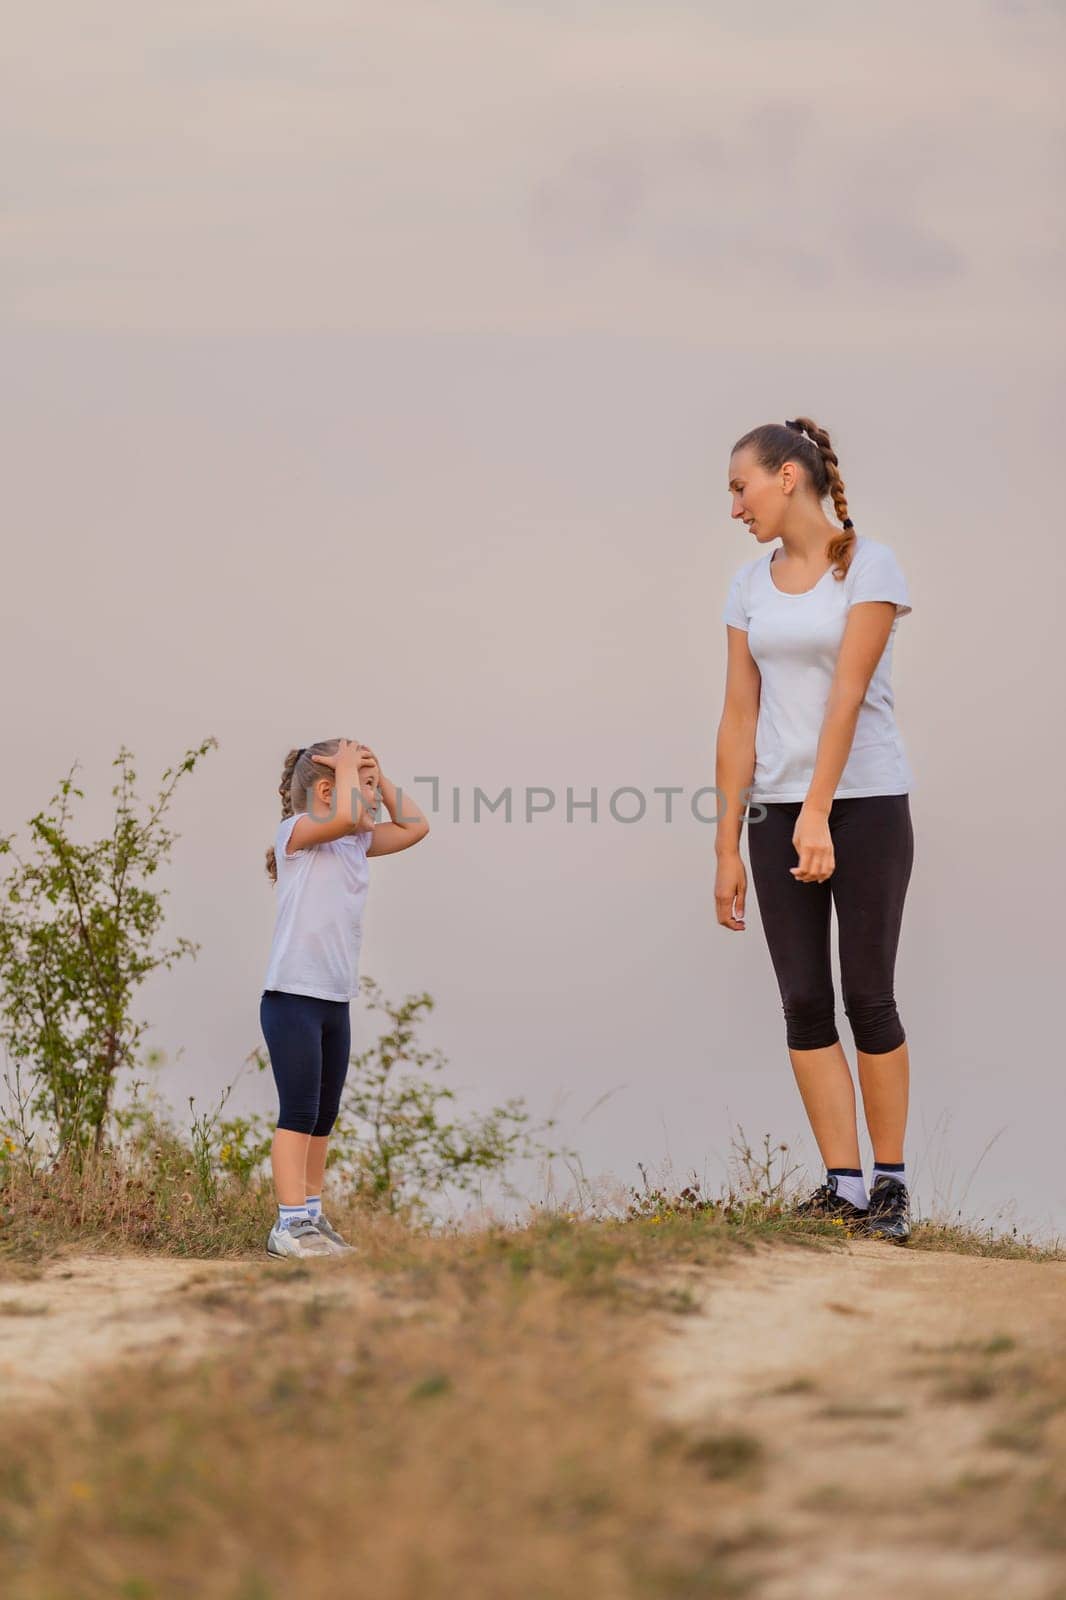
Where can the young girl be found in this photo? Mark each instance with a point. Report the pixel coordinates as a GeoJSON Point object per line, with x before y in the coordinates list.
{"type": "Point", "coordinates": [808, 713]}
{"type": "Point", "coordinates": [319, 863]}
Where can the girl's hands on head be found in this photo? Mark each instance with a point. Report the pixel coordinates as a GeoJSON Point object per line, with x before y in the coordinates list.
{"type": "Point", "coordinates": [368, 758]}
{"type": "Point", "coordinates": [348, 762]}
{"type": "Point", "coordinates": [355, 767]}
{"type": "Point", "coordinates": [363, 773]}
{"type": "Point", "coordinates": [345, 760]}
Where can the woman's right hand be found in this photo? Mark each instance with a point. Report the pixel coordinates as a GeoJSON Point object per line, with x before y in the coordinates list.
{"type": "Point", "coordinates": [731, 883]}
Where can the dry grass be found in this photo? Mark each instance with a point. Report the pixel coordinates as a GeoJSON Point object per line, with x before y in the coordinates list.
{"type": "Point", "coordinates": [149, 1199]}
{"type": "Point", "coordinates": [478, 1430]}
{"type": "Point", "coordinates": [154, 1197]}
{"type": "Point", "coordinates": [973, 1240]}
{"type": "Point", "coordinates": [1023, 1498]}
{"type": "Point", "coordinates": [477, 1433]}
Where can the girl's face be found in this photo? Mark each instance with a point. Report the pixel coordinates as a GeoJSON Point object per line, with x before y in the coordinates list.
{"type": "Point", "coordinates": [369, 784]}
{"type": "Point", "coordinates": [368, 781]}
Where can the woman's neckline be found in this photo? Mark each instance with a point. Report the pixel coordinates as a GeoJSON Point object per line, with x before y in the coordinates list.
{"type": "Point", "coordinates": [798, 594]}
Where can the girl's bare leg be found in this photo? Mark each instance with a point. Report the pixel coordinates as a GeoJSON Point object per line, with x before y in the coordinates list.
{"type": "Point", "coordinates": [288, 1159]}
{"type": "Point", "coordinates": [316, 1163]}
{"type": "Point", "coordinates": [828, 1094]}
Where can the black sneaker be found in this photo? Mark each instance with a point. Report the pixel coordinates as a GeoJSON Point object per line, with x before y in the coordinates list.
{"type": "Point", "coordinates": [825, 1202]}
{"type": "Point", "coordinates": [889, 1214]}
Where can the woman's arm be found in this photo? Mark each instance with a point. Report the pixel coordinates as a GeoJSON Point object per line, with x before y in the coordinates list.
{"type": "Point", "coordinates": [865, 636]}
{"type": "Point", "coordinates": [734, 770]}
{"type": "Point", "coordinates": [735, 748]}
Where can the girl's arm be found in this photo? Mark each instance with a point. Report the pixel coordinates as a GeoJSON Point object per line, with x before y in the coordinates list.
{"type": "Point", "coordinates": [408, 825]}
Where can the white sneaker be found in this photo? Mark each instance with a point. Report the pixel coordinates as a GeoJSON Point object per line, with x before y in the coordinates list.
{"type": "Point", "coordinates": [300, 1238]}
{"type": "Point", "coordinates": [328, 1231]}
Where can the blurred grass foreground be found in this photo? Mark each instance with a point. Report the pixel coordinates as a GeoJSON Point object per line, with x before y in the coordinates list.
{"type": "Point", "coordinates": [471, 1420]}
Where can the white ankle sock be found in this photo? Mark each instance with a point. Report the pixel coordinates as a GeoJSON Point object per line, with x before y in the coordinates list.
{"type": "Point", "coordinates": [290, 1214]}
{"type": "Point", "coordinates": [314, 1205]}
{"type": "Point", "coordinates": [890, 1169]}
{"type": "Point", "coordinates": [850, 1186]}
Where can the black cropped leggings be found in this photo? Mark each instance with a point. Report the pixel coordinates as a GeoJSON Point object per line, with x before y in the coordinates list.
{"type": "Point", "coordinates": [873, 847]}
{"type": "Point", "coordinates": [309, 1041]}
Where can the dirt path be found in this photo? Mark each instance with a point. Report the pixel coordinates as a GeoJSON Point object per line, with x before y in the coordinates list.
{"type": "Point", "coordinates": [87, 1312]}
{"type": "Point", "coordinates": [870, 1382]}
{"type": "Point", "coordinates": [897, 1418]}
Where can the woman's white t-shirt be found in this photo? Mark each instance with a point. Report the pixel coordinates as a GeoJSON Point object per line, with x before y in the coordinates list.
{"type": "Point", "coordinates": [795, 641]}
{"type": "Point", "coordinates": [318, 931]}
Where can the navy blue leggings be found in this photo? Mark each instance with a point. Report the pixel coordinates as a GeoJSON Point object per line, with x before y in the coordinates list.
{"type": "Point", "coordinates": [873, 848]}
{"type": "Point", "coordinates": [309, 1041]}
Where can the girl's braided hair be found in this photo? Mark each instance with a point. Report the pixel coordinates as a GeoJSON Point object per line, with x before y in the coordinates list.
{"type": "Point", "coordinates": [802, 440]}
{"type": "Point", "coordinates": [298, 776]}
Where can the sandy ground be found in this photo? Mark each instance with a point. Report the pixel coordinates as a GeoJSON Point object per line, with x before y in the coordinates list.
{"type": "Point", "coordinates": [872, 1483]}
{"type": "Point", "coordinates": [85, 1312]}
{"type": "Point", "coordinates": [875, 1483]}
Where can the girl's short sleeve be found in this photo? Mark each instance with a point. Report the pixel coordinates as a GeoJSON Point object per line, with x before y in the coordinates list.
{"type": "Point", "coordinates": [876, 575]}
{"type": "Point", "coordinates": [281, 838]}
{"type": "Point", "coordinates": [736, 611]}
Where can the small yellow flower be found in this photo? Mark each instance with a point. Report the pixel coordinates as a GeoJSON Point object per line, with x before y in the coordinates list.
{"type": "Point", "coordinates": [81, 1490]}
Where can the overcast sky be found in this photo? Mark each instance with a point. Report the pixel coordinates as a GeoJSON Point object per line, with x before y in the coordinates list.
{"type": "Point", "coordinates": [373, 371]}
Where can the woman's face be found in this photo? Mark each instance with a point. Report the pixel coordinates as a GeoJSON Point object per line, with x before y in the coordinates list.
{"type": "Point", "coordinates": [757, 497]}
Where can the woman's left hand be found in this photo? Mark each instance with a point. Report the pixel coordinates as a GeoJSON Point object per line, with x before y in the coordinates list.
{"type": "Point", "coordinates": [813, 844]}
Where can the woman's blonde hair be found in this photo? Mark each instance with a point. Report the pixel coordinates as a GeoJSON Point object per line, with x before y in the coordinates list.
{"type": "Point", "coordinates": [298, 777]}
{"type": "Point", "coordinates": [774, 443]}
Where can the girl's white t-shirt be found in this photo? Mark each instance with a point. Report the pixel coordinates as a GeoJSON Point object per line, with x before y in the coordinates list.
{"type": "Point", "coordinates": [318, 930]}
{"type": "Point", "coordinates": [795, 641]}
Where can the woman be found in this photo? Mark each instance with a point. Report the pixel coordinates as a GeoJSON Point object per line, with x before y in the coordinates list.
{"type": "Point", "coordinates": [808, 724]}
